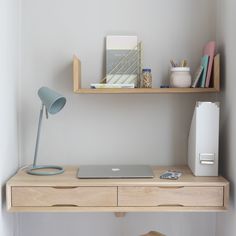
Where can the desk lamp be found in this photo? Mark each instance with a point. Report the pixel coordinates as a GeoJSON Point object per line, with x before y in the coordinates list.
{"type": "Point", "coordinates": [52, 102]}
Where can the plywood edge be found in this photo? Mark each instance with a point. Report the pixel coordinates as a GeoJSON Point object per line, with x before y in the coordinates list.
{"type": "Point", "coordinates": [118, 209]}
{"type": "Point", "coordinates": [118, 183]}
{"type": "Point", "coordinates": [76, 74]}
{"type": "Point", "coordinates": [216, 72]}
{"type": "Point", "coordinates": [8, 197]}
{"type": "Point", "coordinates": [146, 91]}
{"type": "Point", "coordinates": [226, 196]}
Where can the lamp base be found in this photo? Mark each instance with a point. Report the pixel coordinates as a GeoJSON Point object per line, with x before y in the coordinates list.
{"type": "Point", "coordinates": [33, 170]}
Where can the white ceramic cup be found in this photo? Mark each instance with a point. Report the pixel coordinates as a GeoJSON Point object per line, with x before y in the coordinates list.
{"type": "Point", "coordinates": [180, 77]}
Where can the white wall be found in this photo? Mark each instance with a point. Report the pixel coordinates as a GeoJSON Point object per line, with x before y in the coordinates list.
{"type": "Point", "coordinates": [107, 129]}
{"type": "Point", "coordinates": [226, 38]}
{"type": "Point", "coordinates": [9, 74]}
{"type": "Point", "coordinates": [106, 224]}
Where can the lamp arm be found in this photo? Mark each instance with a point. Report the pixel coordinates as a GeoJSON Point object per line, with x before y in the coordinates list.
{"type": "Point", "coordinates": [38, 135]}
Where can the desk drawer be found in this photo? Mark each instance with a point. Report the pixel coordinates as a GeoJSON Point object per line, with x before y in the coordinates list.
{"type": "Point", "coordinates": [170, 196]}
{"type": "Point", "coordinates": [64, 196]}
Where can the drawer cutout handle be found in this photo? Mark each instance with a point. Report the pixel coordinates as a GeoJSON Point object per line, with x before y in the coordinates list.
{"type": "Point", "coordinates": [171, 187]}
{"type": "Point", "coordinates": [170, 205]}
{"type": "Point", "coordinates": [65, 205]}
{"type": "Point", "coordinates": [65, 187]}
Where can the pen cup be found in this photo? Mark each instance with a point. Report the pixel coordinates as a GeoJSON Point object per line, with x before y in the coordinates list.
{"type": "Point", "coordinates": [180, 77]}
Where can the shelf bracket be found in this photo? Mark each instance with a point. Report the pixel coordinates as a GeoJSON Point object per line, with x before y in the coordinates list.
{"type": "Point", "coordinates": [76, 74]}
{"type": "Point", "coordinates": [119, 214]}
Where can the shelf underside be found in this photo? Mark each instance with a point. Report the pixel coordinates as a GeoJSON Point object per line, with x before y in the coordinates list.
{"type": "Point", "coordinates": [118, 209]}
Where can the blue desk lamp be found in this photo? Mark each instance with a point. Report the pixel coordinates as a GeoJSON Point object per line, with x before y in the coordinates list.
{"type": "Point", "coordinates": [52, 102]}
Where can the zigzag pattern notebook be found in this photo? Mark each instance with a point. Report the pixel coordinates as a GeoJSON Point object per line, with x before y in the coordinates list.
{"type": "Point", "coordinates": [121, 59]}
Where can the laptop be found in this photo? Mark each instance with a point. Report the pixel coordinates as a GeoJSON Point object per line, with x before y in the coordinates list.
{"type": "Point", "coordinates": [114, 171]}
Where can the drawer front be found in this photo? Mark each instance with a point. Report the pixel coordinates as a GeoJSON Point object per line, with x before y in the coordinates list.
{"type": "Point", "coordinates": [64, 196]}
{"type": "Point", "coordinates": [168, 196]}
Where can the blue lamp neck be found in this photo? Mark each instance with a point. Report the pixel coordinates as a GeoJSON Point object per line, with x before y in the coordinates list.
{"type": "Point", "coordinates": [38, 135]}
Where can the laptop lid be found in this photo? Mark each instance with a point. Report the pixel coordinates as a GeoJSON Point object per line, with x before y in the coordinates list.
{"type": "Point", "coordinates": [114, 171]}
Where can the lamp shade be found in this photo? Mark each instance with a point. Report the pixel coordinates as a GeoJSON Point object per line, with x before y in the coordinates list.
{"type": "Point", "coordinates": [52, 100]}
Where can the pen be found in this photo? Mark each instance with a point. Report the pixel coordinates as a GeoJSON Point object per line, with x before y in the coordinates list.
{"type": "Point", "coordinates": [172, 63]}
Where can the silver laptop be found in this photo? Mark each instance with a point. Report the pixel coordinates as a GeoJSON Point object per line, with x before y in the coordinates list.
{"type": "Point", "coordinates": [114, 171]}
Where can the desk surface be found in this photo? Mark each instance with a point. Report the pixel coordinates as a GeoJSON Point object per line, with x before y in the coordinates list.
{"type": "Point", "coordinates": [69, 178]}
{"type": "Point", "coordinates": [64, 193]}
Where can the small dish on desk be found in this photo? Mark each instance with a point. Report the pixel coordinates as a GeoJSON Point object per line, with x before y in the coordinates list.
{"type": "Point", "coordinates": [171, 174]}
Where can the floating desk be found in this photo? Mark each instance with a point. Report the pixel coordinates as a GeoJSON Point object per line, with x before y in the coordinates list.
{"type": "Point", "coordinates": [67, 193]}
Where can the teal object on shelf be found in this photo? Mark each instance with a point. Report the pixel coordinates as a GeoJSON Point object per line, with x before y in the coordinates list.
{"type": "Point", "coordinates": [204, 64]}
{"type": "Point", "coordinates": [52, 102]}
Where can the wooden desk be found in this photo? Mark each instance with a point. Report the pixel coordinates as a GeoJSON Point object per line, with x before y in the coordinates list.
{"type": "Point", "coordinates": [67, 193]}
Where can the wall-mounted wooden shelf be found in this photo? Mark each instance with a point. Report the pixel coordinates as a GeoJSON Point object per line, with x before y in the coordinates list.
{"type": "Point", "coordinates": [77, 88]}
{"type": "Point", "coordinates": [146, 91]}
{"type": "Point", "coordinates": [67, 193]}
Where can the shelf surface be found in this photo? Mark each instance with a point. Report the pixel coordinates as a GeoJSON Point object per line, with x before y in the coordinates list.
{"type": "Point", "coordinates": [146, 90]}
{"type": "Point", "coordinates": [69, 178]}
{"type": "Point", "coordinates": [77, 85]}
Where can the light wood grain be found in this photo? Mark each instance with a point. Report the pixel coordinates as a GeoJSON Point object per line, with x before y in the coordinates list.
{"type": "Point", "coordinates": [146, 91]}
{"type": "Point", "coordinates": [120, 214]}
{"type": "Point", "coordinates": [177, 196]}
{"type": "Point", "coordinates": [69, 178]}
{"type": "Point", "coordinates": [77, 87]}
{"type": "Point", "coordinates": [51, 187]}
{"type": "Point", "coordinates": [76, 74]}
{"type": "Point", "coordinates": [216, 72]}
{"type": "Point", "coordinates": [117, 209]}
{"type": "Point", "coordinates": [8, 196]}
{"type": "Point", "coordinates": [50, 196]}
{"type": "Point", "coordinates": [226, 196]}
